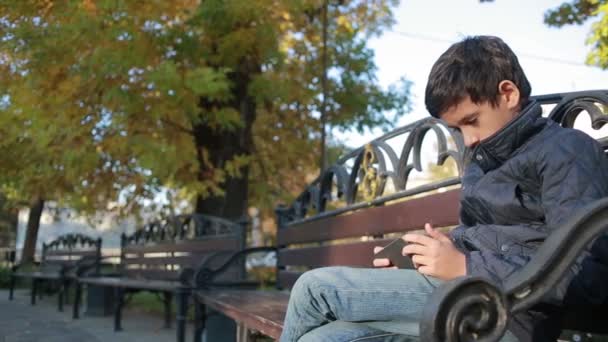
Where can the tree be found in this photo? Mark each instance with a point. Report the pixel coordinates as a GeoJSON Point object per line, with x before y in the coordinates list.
{"type": "Point", "coordinates": [578, 12]}
{"type": "Point", "coordinates": [120, 100]}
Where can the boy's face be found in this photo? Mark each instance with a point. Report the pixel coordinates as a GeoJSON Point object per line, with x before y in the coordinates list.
{"type": "Point", "coordinates": [479, 121]}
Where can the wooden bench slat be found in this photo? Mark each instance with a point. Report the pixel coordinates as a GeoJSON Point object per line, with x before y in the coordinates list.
{"type": "Point", "coordinates": [208, 245]}
{"type": "Point", "coordinates": [358, 254]}
{"type": "Point", "coordinates": [78, 253]}
{"type": "Point", "coordinates": [39, 275]}
{"type": "Point", "coordinates": [131, 283]}
{"type": "Point", "coordinates": [259, 310]}
{"type": "Point", "coordinates": [392, 218]}
{"type": "Point", "coordinates": [169, 260]}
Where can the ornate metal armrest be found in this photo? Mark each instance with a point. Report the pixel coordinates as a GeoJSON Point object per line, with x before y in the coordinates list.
{"type": "Point", "coordinates": [205, 275]}
{"type": "Point", "coordinates": [473, 309]}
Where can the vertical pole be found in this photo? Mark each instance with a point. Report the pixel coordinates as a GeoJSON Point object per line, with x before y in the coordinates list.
{"type": "Point", "coordinates": [200, 317]}
{"type": "Point", "coordinates": [182, 294]}
{"type": "Point", "coordinates": [60, 295]}
{"type": "Point", "coordinates": [118, 308]}
{"type": "Point", "coordinates": [167, 298]}
{"type": "Point", "coordinates": [12, 289]}
{"type": "Point", "coordinates": [323, 161]}
{"type": "Point", "coordinates": [77, 295]}
{"type": "Point", "coordinates": [34, 289]}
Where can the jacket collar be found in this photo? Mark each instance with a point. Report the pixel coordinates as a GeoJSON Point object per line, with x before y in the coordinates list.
{"type": "Point", "coordinates": [492, 152]}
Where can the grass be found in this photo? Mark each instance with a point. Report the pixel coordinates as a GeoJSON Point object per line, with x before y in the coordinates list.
{"type": "Point", "coordinates": [148, 302]}
{"type": "Point", "coordinates": [4, 277]}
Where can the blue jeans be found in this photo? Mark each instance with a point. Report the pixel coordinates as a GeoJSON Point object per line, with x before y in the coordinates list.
{"type": "Point", "coordinates": [352, 304]}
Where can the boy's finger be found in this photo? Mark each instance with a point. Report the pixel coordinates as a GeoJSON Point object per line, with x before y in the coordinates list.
{"type": "Point", "coordinates": [419, 239]}
{"type": "Point", "coordinates": [425, 270]}
{"type": "Point", "coordinates": [383, 262]}
{"type": "Point", "coordinates": [420, 260]}
{"type": "Point", "coordinates": [377, 249]}
{"type": "Point", "coordinates": [414, 248]}
{"type": "Point", "coordinates": [434, 233]}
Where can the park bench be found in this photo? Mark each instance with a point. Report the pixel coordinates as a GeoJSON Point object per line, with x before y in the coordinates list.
{"type": "Point", "coordinates": [317, 230]}
{"type": "Point", "coordinates": [59, 262]}
{"type": "Point", "coordinates": [158, 257]}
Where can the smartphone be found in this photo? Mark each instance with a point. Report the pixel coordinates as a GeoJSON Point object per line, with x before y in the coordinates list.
{"type": "Point", "coordinates": [392, 252]}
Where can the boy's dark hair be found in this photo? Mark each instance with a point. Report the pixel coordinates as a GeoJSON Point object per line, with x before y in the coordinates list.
{"type": "Point", "coordinates": [473, 67]}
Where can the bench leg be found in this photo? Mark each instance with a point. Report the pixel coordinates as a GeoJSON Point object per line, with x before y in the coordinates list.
{"type": "Point", "coordinates": [77, 295]}
{"type": "Point", "coordinates": [13, 280]}
{"type": "Point", "coordinates": [41, 287]}
{"type": "Point", "coordinates": [60, 295]}
{"type": "Point", "coordinates": [200, 318]}
{"type": "Point", "coordinates": [66, 288]}
{"type": "Point", "coordinates": [34, 289]}
{"type": "Point", "coordinates": [182, 311]}
{"type": "Point", "coordinates": [242, 333]}
{"type": "Point", "coordinates": [118, 309]}
{"type": "Point", "coordinates": [167, 299]}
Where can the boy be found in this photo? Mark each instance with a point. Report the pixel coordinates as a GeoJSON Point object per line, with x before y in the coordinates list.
{"type": "Point", "coordinates": [525, 175]}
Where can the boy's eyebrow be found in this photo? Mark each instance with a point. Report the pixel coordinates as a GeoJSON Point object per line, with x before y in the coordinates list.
{"type": "Point", "coordinates": [465, 119]}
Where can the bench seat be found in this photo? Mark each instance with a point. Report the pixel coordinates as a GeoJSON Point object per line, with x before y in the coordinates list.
{"type": "Point", "coordinates": [263, 311]}
{"type": "Point", "coordinates": [146, 284]}
{"type": "Point", "coordinates": [39, 275]}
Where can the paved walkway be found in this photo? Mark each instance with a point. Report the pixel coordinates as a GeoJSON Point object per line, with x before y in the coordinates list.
{"type": "Point", "coordinates": [21, 322]}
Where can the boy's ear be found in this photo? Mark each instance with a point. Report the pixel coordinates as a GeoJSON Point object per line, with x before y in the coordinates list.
{"type": "Point", "coordinates": [509, 93]}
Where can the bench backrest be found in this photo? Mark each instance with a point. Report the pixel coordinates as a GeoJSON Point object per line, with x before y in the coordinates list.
{"type": "Point", "coordinates": [67, 250]}
{"type": "Point", "coordinates": [366, 213]}
{"type": "Point", "coordinates": [162, 249]}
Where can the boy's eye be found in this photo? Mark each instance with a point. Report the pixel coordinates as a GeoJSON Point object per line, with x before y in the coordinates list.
{"type": "Point", "coordinates": [471, 122]}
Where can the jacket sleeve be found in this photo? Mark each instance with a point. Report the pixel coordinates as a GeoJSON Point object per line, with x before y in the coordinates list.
{"type": "Point", "coordinates": [488, 263]}
{"type": "Point", "coordinates": [494, 266]}
{"type": "Point", "coordinates": [573, 172]}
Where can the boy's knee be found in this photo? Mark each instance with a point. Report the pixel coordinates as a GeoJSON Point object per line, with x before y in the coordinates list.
{"type": "Point", "coordinates": [316, 278]}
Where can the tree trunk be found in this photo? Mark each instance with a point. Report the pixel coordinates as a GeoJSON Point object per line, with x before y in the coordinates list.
{"type": "Point", "coordinates": [31, 234]}
{"type": "Point", "coordinates": [222, 146]}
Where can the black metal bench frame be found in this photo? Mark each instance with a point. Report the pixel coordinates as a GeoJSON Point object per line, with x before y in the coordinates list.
{"type": "Point", "coordinates": [447, 316]}
{"type": "Point", "coordinates": [60, 260]}
{"type": "Point", "coordinates": [182, 242]}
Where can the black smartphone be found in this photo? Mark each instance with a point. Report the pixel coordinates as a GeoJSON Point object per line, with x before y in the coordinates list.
{"type": "Point", "coordinates": [392, 252]}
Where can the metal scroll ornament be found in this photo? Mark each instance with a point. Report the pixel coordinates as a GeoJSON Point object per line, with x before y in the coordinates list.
{"type": "Point", "coordinates": [372, 184]}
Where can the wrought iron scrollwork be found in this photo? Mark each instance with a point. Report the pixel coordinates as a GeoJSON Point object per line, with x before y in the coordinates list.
{"type": "Point", "coordinates": [373, 165]}
{"type": "Point", "coordinates": [465, 309]}
{"type": "Point", "coordinates": [71, 241]}
{"type": "Point", "coordinates": [571, 105]}
{"type": "Point", "coordinates": [182, 227]}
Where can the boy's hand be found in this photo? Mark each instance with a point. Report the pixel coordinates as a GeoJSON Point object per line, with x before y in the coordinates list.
{"type": "Point", "coordinates": [435, 254]}
{"type": "Point", "coordinates": [382, 262]}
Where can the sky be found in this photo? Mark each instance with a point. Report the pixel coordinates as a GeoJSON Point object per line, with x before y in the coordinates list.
{"type": "Point", "coordinates": [552, 58]}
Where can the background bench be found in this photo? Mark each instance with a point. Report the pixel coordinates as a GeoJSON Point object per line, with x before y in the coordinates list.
{"type": "Point", "coordinates": [156, 258]}
{"type": "Point", "coordinates": [316, 230]}
{"type": "Point", "coordinates": [59, 261]}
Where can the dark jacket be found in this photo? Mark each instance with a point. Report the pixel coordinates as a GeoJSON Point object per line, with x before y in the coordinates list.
{"type": "Point", "coordinates": [519, 185]}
